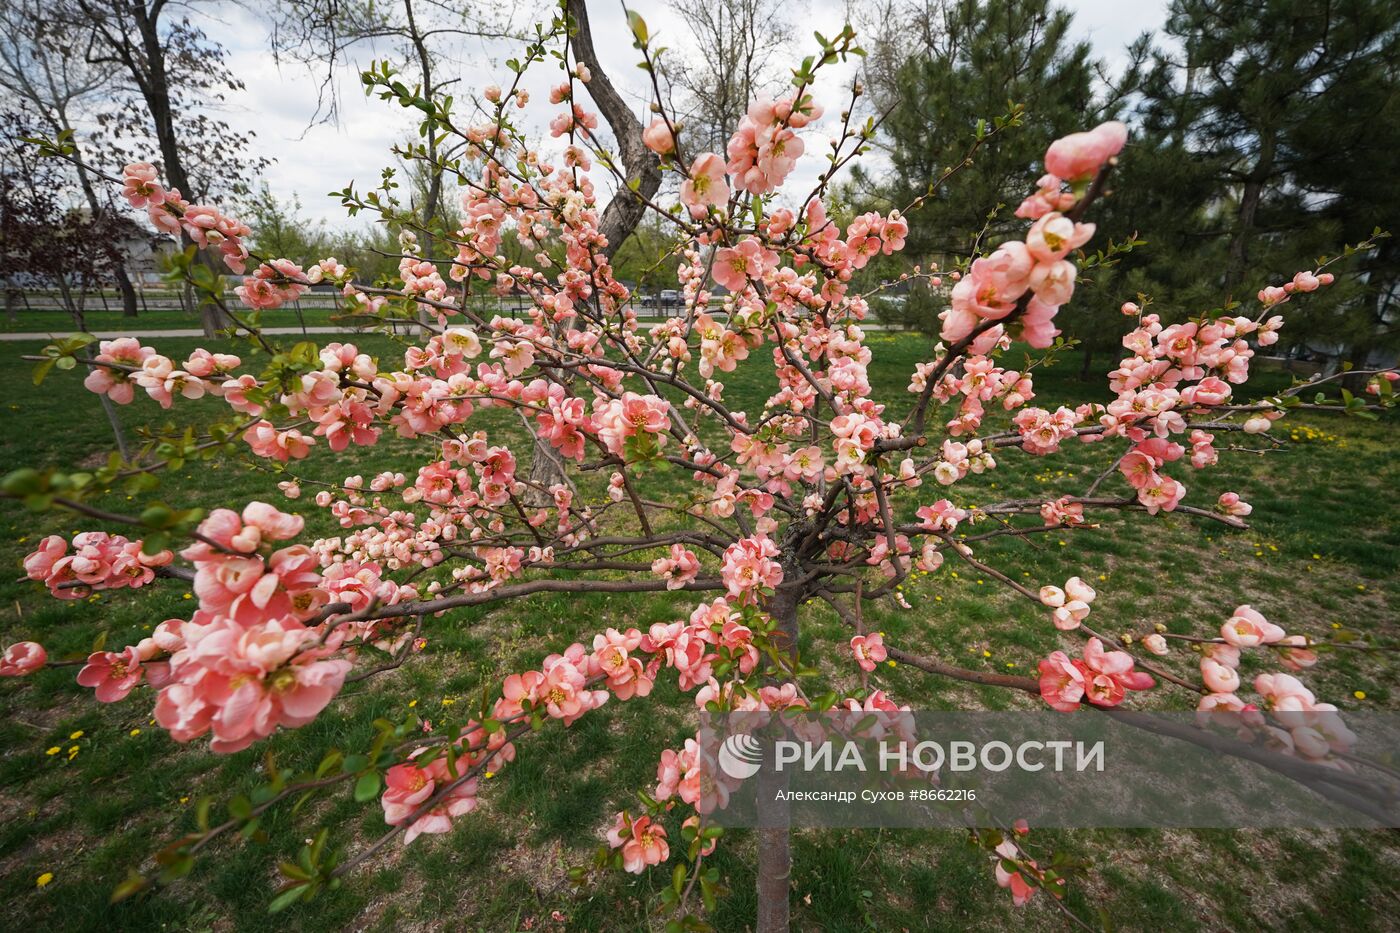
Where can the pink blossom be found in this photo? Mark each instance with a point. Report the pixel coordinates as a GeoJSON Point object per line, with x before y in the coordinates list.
{"type": "Point", "coordinates": [1079, 155]}
{"type": "Point", "coordinates": [869, 650]}
{"type": "Point", "coordinates": [1021, 890]}
{"type": "Point", "coordinates": [1230, 503]}
{"type": "Point", "coordinates": [1248, 629]}
{"type": "Point", "coordinates": [749, 565]}
{"type": "Point", "coordinates": [659, 138]}
{"type": "Point", "coordinates": [23, 658]}
{"type": "Point", "coordinates": [267, 441]}
{"type": "Point", "coordinates": [705, 186]}
{"type": "Point", "coordinates": [1219, 678]}
{"type": "Point", "coordinates": [114, 674]}
{"type": "Point", "coordinates": [642, 842]}
{"type": "Point", "coordinates": [1062, 682]}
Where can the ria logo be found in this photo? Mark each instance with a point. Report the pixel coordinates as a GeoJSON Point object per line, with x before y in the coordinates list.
{"type": "Point", "coordinates": [741, 756]}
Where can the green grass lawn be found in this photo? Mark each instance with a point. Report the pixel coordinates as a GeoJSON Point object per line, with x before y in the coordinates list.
{"type": "Point", "coordinates": [1322, 555]}
{"type": "Point", "coordinates": [99, 320]}
{"type": "Point", "coordinates": [96, 319]}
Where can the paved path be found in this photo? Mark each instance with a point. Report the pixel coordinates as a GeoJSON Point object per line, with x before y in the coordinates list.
{"type": "Point", "coordinates": [180, 332]}
{"type": "Point", "coordinates": [270, 331]}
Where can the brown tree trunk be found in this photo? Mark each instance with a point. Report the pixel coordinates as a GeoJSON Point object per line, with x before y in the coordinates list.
{"type": "Point", "coordinates": [156, 92]}
{"type": "Point", "coordinates": [1249, 208]}
{"type": "Point", "coordinates": [639, 164]}
{"type": "Point", "coordinates": [128, 291]}
{"type": "Point", "coordinates": [774, 872]}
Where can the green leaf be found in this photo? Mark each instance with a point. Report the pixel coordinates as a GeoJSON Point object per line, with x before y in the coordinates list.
{"type": "Point", "coordinates": [639, 27]}
{"type": "Point", "coordinates": [678, 876]}
{"type": "Point", "coordinates": [240, 808]}
{"type": "Point", "coordinates": [134, 884]}
{"type": "Point", "coordinates": [41, 371]}
{"type": "Point", "coordinates": [367, 786]}
{"type": "Point", "coordinates": [289, 896]}
{"type": "Point", "coordinates": [23, 482]}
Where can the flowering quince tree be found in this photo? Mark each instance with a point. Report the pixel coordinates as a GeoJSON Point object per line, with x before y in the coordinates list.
{"type": "Point", "coordinates": [823, 494]}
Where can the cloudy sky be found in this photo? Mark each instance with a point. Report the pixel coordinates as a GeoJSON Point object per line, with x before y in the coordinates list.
{"type": "Point", "coordinates": [281, 100]}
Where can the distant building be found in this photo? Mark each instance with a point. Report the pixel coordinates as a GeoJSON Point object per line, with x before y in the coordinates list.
{"type": "Point", "coordinates": [146, 252]}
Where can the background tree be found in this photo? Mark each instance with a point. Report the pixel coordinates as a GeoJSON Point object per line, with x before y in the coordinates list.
{"type": "Point", "coordinates": [1290, 107]}
{"type": "Point", "coordinates": [939, 67]}
{"type": "Point", "coordinates": [423, 36]}
{"type": "Point", "coordinates": [733, 57]}
{"type": "Point", "coordinates": [43, 66]}
{"type": "Point", "coordinates": [171, 76]}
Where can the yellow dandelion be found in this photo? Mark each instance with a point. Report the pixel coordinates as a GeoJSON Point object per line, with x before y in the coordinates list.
{"type": "Point", "coordinates": [77, 735]}
{"type": "Point", "coordinates": [184, 800]}
{"type": "Point", "coordinates": [986, 653]}
{"type": "Point", "coordinates": [412, 703]}
{"type": "Point", "coordinates": [891, 663]}
{"type": "Point", "coordinates": [1359, 694]}
{"type": "Point", "coordinates": [134, 732]}
{"type": "Point", "coordinates": [53, 751]}
{"type": "Point", "coordinates": [44, 880]}
{"type": "Point", "coordinates": [188, 596]}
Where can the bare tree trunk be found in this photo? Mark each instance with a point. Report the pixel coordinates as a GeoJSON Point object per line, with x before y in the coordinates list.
{"type": "Point", "coordinates": [774, 873]}
{"type": "Point", "coordinates": [128, 291]}
{"type": "Point", "coordinates": [623, 212]}
{"type": "Point", "coordinates": [639, 164]}
{"type": "Point", "coordinates": [546, 470]}
{"type": "Point", "coordinates": [1249, 208]}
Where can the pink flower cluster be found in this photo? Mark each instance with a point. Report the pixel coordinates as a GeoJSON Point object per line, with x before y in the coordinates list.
{"type": "Point", "coordinates": [642, 841]}
{"type": "Point", "coordinates": [114, 674]}
{"type": "Point", "coordinates": [99, 561]}
{"type": "Point", "coordinates": [677, 569]}
{"type": "Point", "coordinates": [239, 683]}
{"type": "Point", "coordinates": [1033, 277]}
{"type": "Point", "coordinates": [170, 213]}
{"type": "Point", "coordinates": [766, 147]}
{"type": "Point", "coordinates": [749, 567]}
{"type": "Point", "coordinates": [1069, 606]}
{"type": "Point", "coordinates": [273, 284]}
{"type": "Point", "coordinates": [1298, 724]}
{"type": "Point", "coordinates": [1101, 677]}
{"type": "Point", "coordinates": [136, 366]}
{"type": "Point", "coordinates": [565, 687]}
{"type": "Point", "coordinates": [408, 786]}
